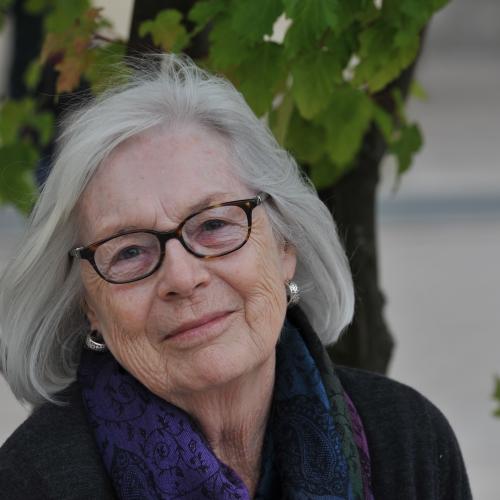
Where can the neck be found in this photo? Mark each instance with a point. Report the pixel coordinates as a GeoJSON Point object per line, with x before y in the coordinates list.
{"type": "Point", "coordinates": [233, 419]}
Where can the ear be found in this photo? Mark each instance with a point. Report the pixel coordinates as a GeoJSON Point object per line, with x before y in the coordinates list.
{"type": "Point", "coordinates": [289, 261]}
{"type": "Point", "coordinates": [91, 315]}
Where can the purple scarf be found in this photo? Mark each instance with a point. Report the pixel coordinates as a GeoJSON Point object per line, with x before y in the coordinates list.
{"type": "Point", "coordinates": [315, 446]}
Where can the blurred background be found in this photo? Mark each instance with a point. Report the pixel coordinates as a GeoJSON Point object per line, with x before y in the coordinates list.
{"type": "Point", "coordinates": [438, 234]}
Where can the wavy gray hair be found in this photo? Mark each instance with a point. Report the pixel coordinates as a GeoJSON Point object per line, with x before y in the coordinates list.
{"type": "Point", "coordinates": [41, 314]}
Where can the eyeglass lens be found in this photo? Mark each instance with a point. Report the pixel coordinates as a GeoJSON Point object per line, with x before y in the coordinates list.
{"type": "Point", "coordinates": [214, 231]}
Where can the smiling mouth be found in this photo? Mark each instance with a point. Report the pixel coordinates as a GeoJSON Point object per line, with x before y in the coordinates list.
{"type": "Point", "coordinates": [200, 325]}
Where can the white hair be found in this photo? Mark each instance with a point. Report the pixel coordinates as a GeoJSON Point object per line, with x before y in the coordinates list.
{"type": "Point", "coordinates": [41, 315]}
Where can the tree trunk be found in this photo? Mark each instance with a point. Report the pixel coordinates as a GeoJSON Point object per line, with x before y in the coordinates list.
{"type": "Point", "coordinates": [367, 343]}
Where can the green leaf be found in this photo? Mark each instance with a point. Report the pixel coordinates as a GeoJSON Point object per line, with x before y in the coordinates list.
{"type": "Point", "coordinates": [13, 116]}
{"type": "Point", "coordinates": [65, 14]}
{"type": "Point", "coordinates": [305, 139]}
{"type": "Point", "coordinates": [109, 56]}
{"type": "Point", "coordinates": [33, 74]}
{"type": "Point", "coordinates": [310, 20]}
{"type": "Point", "coordinates": [324, 173]}
{"type": "Point", "coordinates": [346, 120]}
{"type": "Point", "coordinates": [167, 30]}
{"type": "Point", "coordinates": [203, 12]}
{"type": "Point", "coordinates": [381, 61]}
{"type": "Point", "coordinates": [496, 396]}
{"type": "Point", "coordinates": [314, 78]}
{"type": "Point", "coordinates": [259, 86]}
{"type": "Point", "coordinates": [418, 91]}
{"type": "Point", "coordinates": [408, 142]}
{"type": "Point", "coordinates": [384, 122]}
{"type": "Point", "coordinates": [253, 19]}
{"type": "Point", "coordinates": [16, 117]}
{"type": "Point", "coordinates": [17, 185]}
{"type": "Point", "coordinates": [319, 14]}
{"type": "Point", "coordinates": [44, 125]}
{"type": "Point", "coordinates": [228, 47]}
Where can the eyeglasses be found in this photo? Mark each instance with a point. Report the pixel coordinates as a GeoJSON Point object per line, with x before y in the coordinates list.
{"type": "Point", "coordinates": [133, 255]}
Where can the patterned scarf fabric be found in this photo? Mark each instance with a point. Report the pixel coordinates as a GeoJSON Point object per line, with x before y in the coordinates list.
{"type": "Point", "coordinates": [314, 448]}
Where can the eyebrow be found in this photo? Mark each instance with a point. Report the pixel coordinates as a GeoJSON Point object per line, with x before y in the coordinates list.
{"type": "Point", "coordinates": [114, 228]}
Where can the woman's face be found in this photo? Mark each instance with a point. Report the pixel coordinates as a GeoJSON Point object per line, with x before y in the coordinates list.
{"type": "Point", "coordinates": [194, 324]}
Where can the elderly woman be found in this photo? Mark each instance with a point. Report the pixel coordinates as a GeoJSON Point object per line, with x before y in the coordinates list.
{"type": "Point", "coordinates": [145, 318]}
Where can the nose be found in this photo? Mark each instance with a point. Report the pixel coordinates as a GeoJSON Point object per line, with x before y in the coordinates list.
{"type": "Point", "coordinates": [180, 273]}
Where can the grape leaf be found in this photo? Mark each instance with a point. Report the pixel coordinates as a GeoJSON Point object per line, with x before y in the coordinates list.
{"type": "Point", "coordinates": [14, 114]}
{"type": "Point", "coordinates": [408, 142]}
{"type": "Point", "coordinates": [309, 24]}
{"type": "Point", "coordinates": [381, 61]}
{"type": "Point", "coordinates": [384, 121]}
{"type": "Point", "coordinates": [346, 120]}
{"type": "Point", "coordinates": [255, 19]}
{"type": "Point", "coordinates": [496, 396]}
{"type": "Point", "coordinates": [314, 78]}
{"type": "Point", "coordinates": [33, 74]}
{"type": "Point", "coordinates": [259, 87]}
{"type": "Point", "coordinates": [102, 58]}
{"type": "Point", "coordinates": [305, 139]}
{"type": "Point", "coordinates": [17, 185]}
{"type": "Point", "coordinates": [418, 91]}
{"type": "Point", "coordinates": [70, 71]}
{"type": "Point", "coordinates": [64, 15]}
{"type": "Point", "coordinates": [70, 51]}
{"type": "Point", "coordinates": [203, 12]}
{"type": "Point", "coordinates": [324, 173]}
{"type": "Point", "coordinates": [167, 30]}
{"type": "Point", "coordinates": [228, 48]}
{"type": "Point", "coordinates": [317, 15]}
{"type": "Point", "coordinates": [20, 121]}
{"type": "Point", "coordinates": [43, 122]}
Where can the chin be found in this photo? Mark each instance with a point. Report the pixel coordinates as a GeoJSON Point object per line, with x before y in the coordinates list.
{"type": "Point", "coordinates": [214, 367]}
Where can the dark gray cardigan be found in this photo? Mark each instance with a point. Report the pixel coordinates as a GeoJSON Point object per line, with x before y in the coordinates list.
{"type": "Point", "coordinates": [414, 453]}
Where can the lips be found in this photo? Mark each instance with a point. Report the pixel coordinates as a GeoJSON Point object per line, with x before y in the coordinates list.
{"type": "Point", "coordinates": [205, 320]}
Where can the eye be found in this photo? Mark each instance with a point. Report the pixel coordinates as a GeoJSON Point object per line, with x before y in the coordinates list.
{"type": "Point", "coordinates": [128, 253]}
{"type": "Point", "coordinates": [213, 225]}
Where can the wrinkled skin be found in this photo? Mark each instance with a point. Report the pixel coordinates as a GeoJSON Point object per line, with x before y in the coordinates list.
{"type": "Point", "coordinates": [224, 379]}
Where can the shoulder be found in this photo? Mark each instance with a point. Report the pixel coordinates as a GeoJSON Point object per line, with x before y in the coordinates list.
{"type": "Point", "coordinates": [53, 453]}
{"type": "Point", "coordinates": [412, 447]}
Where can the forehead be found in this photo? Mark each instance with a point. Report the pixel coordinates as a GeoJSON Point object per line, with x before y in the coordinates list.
{"type": "Point", "coordinates": [155, 179]}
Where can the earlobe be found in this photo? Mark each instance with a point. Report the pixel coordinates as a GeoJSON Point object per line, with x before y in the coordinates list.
{"type": "Point", "coordinates": [289, 257]}
{"type": "Point", "coordinates": [91, 315]}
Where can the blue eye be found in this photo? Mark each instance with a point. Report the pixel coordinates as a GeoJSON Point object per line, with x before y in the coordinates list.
{"type": "Point", "coordinates": [129, 253]}
{"type": "Point", "coordinates": [213, 225]}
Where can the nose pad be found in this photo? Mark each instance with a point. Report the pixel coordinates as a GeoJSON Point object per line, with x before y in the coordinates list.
{"type": "Point", "coordinates": [181, 272]}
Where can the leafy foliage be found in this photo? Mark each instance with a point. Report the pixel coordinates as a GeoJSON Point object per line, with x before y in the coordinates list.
{"type": "Point", "coordinates": [496, 396]}
{"type": "Point", "coordinates": [318, 84]}
{"type": "Point", "coordinates": [74, 47]}
{"type": "Point", "coordinates": [166, 30]}
{"type": "Point", "coordinates": [22, 128]}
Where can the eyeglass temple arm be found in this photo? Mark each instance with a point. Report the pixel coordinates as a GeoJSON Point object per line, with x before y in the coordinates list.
{"type": "Point", "coordinates": [261, 198]}
{"type": "Point", "coordinates": [75, 252]}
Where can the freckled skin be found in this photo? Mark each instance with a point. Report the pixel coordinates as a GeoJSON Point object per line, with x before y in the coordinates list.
{"type": "Point", "coordinates": [225, 384]}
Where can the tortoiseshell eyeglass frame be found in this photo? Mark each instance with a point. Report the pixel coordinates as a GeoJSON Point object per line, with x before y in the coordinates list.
{"type": "Point", "coordinates": [88, 252]}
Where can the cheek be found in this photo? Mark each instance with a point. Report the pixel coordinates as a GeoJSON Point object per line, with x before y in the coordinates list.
{"type": "Point", "coordinates": [112, 309]}
{"type": "Point", "coordinates": [262, 286]}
